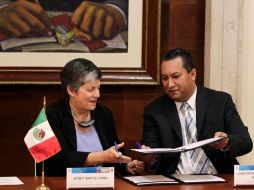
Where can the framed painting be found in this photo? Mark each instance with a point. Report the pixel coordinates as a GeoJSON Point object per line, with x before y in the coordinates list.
{"type": "Point", "coordinates": [139, 65]}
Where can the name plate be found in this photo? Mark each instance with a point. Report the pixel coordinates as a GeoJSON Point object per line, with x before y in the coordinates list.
{"type": "Point", "coordinates": [90, 177]}
{"type": "Point", "coordinates": [243, 175]}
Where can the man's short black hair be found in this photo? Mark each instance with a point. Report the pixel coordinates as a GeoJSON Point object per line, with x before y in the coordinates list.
{"type": "Point", "coordinates": [188, 63]}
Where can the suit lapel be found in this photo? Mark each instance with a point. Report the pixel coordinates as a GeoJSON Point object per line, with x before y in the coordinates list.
{"type": "Point", "coordinates": [201, 107]}
{"type": "Point", "coordinates": [71, 132]}
{"type": "Point", "coordinates": [69, 126]}
{"type": "Point", "coordinates": [172, 115]}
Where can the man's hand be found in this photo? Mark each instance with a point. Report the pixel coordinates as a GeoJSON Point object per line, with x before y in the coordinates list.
{"type": "Point", "coordinates": [97, 21]}
{"type": "Point", "coordinates": [221, 144]}
{"type": "Point", "coordinates": [23, 18]}
{"type": "Point", "coordinates": [136, 167]}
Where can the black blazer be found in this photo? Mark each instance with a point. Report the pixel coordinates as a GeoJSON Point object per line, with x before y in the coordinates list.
{"type": "Point", "coordinates": [215, 111]}
{"type": "Point", "coordinates": [61, 121]}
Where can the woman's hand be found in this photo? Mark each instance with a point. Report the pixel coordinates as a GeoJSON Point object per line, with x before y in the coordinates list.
{"type": "Point", "coordinates": [112, 155]}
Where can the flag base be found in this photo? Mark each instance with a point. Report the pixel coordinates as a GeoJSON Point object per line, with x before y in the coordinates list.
{"type": "Point", "coordinates": [42, 187]}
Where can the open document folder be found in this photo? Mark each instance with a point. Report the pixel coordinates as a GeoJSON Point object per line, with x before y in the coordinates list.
{"type": "Point", "coordinates": [197, 178]}
{"type": "Point", "coordinates": [179, 149]}
{"type": "Point", "coordinates": [150, 180]}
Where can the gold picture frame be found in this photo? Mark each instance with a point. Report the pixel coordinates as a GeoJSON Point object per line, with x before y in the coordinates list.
{"type": "Point", "coordinates": [144, 72]}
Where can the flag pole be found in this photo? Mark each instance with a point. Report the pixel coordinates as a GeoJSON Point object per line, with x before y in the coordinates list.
{"type": "Point", "coordinates": [35, 169]}
{"type": "Point", "coordinates": [43, 186]}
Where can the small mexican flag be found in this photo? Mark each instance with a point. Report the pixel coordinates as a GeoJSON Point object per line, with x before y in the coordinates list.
{"type": "Point", "coordinates": [41, 140]}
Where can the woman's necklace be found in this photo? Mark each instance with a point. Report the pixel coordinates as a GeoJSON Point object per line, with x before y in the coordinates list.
{"type": "Point", "coordinates": [84, 124]}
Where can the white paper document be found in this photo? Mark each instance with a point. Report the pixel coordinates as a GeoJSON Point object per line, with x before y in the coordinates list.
{"type": "Point", "coordinates": [187, 178]}
{"type": "Point", "coordinates": [116, 42]}
{"type": "Point", "coordinates": [179, 149]}
{"type": "Point", "coordinates": [150, 179]}
{"type": "Point", "coordinates": [10, 181]}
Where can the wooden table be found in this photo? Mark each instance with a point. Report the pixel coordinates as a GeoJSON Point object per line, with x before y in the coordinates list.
{"type": "Point", "coordinates": [59, 183]}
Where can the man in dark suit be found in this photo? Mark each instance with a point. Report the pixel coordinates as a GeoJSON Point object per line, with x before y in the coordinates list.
{"type": "Point", "coordinates": [212, 112]}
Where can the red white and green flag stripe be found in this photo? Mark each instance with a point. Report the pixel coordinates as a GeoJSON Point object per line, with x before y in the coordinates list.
{"type": "Point", "coordinates": [41, 140]}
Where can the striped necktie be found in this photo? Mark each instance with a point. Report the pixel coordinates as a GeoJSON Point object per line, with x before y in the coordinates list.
{"type": "Point", "coordinates": [200, 162]}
